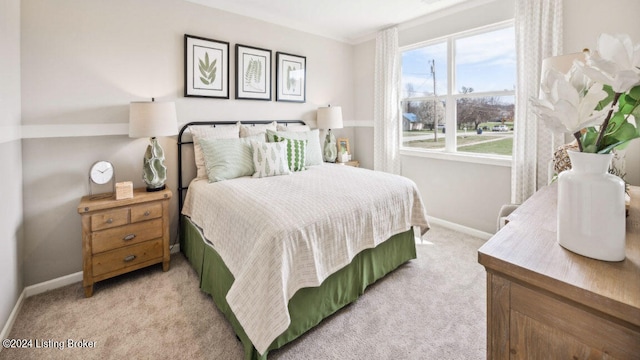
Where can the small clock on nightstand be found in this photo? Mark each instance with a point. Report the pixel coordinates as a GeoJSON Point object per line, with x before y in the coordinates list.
{"type": "Point", "coordinates": [101, 172]}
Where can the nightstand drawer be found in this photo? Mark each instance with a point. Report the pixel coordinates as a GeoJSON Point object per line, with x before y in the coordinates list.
{"type": "Point", "coordinates": [146, 212]}
{"type": "Point", "coordinates": [128, 256]}
{"type": "Point", "coordinates": [109, 219]}
{"type": "Point", "coordinates": [125, 235]}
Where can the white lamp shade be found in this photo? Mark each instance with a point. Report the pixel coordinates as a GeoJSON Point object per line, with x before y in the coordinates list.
{"type": "Point", "coordinates": [330, 117]}
{"type": "Point", "coordinates": [151, 119]}
{"type": "Point", "coordinates": [561, 63]}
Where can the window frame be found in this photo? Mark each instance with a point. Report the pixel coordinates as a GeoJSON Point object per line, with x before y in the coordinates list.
{"type": "Point", "coordinates": [450, 151]}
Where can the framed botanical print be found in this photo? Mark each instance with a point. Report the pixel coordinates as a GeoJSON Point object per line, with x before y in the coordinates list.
{"type": "Point", "coordinates": [253, 73]}
{"type": "Point", "coordinates": [291, 77]}
{"type": "Point", "coordinates": [206, 67]}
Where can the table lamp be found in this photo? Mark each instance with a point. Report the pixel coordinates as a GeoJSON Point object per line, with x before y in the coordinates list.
{"type": "Point", "coordinates": [151, 119]}
{"type": "Point", "coordinates": [330, 118]}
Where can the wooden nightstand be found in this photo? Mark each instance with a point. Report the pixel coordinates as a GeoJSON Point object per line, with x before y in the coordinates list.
{"type": "Point", "coordinates": [119, 236]}
{"type": "Point", "coordinates": [354, 163]}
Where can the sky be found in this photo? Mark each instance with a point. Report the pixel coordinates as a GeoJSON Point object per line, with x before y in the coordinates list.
{"type": "Point", "coordinates": [484, 62]}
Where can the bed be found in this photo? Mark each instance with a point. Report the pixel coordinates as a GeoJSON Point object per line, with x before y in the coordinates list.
{"type": "Point", "coordinates": [280, 253]}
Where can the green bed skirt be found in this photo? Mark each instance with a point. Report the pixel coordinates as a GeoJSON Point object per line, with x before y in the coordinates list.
{"type": "Point", "coordinates": [308, 306]}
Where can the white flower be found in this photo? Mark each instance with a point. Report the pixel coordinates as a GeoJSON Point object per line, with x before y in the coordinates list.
{"type": "Point", "coordinates": [568, 101]}
{"type": "Point", "coordinates": [616, 62]}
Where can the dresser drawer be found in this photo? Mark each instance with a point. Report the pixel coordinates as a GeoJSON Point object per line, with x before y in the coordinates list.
{"type": "Point", "coordinates": [109, 219]}
{"type": "Point", "coordinates": [146, 212]}
{"type": "Point", "coordinates": [125, 235]}
{"type": "Point", "coordinates": [127, 256]}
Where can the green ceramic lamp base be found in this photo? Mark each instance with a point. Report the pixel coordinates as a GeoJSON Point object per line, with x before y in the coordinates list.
{"type": "Point", "coordinates": [330, 149]}
{"type": "Point", "coordinates": [154, 173]}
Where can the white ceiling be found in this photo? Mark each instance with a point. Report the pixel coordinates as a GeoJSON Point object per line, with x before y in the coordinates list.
{"type": "Point", "coordinates": [350, 21]}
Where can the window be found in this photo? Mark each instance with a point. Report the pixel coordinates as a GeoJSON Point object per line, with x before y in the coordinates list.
{"type": "Point", "coordinates": [458, 93]}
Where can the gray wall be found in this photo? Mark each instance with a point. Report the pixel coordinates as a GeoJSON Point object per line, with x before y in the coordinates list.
{"type": "Point", "coordinates": [450, 188]}
{"type": "Point", "coordinates": [11, 271]}
{"type": "Point", "coordinates": [101, 55]}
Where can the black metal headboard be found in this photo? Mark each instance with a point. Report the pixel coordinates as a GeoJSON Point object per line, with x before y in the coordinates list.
{"type": "Point", "coordinates": [181, 142]}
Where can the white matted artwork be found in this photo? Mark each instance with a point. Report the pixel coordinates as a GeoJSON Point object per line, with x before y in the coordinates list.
{"type": "Point", "coordinates": [291, 77]}
{"type": "Point", "coordinates": [206, 69]}
{"type": "Point", "coordinates": [253, 73]}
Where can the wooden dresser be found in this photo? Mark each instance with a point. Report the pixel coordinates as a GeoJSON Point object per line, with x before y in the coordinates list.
{"type": "Point", "coordinates": [119, 236]}
{"type": "Point", "coordinates": [545, 302]}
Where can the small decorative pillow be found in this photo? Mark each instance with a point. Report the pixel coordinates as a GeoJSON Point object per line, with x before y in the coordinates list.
{"type": "Point", "coordinates": [227, 158]}
{"type": "Point", "coordinates": [257, 129]}
{"type": "Point", "coordinates": [209, 132]}
{"type": "Point", "coordinates": [313, 154]}
{"type": "Point", "coordinates": [296, 152]}
{"type": "Point", "coordinates": [270, 159]}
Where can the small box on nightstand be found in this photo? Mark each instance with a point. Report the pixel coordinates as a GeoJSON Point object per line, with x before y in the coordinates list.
{"type": "Point", "coordinates": [124, 190]}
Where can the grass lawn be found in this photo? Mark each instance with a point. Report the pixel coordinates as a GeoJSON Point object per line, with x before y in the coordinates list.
{"type": "Point", "coordinates": [419, 132]}
{"type": "Point", "coordinates": [499, 147]}
{"type": "Point", "coordinates": [470, 143]}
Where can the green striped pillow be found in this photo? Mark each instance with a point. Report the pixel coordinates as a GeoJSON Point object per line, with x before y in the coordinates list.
{"type": "Point", "coordinates": [313, 152]}
{"type": "Point", "coordinates": [296, 152]}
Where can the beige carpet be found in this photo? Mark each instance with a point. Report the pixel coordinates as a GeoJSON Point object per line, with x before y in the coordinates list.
{"type": "Point", "coordinates": [430, 308]}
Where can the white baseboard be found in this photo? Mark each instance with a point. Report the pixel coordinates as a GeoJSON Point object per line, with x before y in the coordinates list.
{"type": "Point", "coordinates": [460, 228]}
{"type": "Point", "coordinates": [65, 280]}
{"type": "Point", "coordinates": [12, 317]}
{"type": "Point", "coordinates": [53, 284]}
{"type": "Point", "coordinates": [174, 249]}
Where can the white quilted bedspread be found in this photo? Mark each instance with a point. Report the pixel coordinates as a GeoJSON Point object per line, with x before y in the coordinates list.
{"type": "Point", "coordinates": [280, 234]}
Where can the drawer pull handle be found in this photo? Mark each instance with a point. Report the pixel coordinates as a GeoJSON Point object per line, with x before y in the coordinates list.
{"type": "Point", "coordinates": [147, 213]}
{"type": "Point", "coordinates": [109, 220]}
{"type": "Point", "coordinates": [129, 258]}
{"type": "Point", "coordinates": [129, 237]}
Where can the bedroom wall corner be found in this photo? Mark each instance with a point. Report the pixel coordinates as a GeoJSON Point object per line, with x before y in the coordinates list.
{"type": "Point", "coordinates": [364, 55]}
{"type": "Point", "coordinates": [11, 210]}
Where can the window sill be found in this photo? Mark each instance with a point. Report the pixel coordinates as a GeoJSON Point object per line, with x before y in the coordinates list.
{"type": "Point", "coordinates": [486, 159]}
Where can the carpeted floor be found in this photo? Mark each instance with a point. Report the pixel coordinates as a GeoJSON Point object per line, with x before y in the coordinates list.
{"type": "Point", "coordinates": [430, 308]}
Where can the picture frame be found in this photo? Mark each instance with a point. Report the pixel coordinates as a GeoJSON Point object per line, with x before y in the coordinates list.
{"type": "Point", "coordinates": [253, 73]}
{"type": "Point", "coordinates": [206, 67]}
{"type": "Point", "coordinates": [343, 143]}
{"type": "Point", "coordinates": [291, 77]}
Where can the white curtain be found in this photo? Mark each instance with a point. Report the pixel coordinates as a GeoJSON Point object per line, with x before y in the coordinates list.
{"type": "Point", "coordinates": [386, 126]}
{"type": "Point", "coordinates": [538, 36]}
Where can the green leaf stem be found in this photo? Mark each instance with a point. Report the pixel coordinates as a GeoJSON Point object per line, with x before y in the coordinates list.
{"type": "Point", "coordinates": [208, 69]}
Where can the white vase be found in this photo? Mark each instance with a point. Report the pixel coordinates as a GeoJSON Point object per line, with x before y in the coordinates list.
{"type": "Point", "coordinates": [591, 212]}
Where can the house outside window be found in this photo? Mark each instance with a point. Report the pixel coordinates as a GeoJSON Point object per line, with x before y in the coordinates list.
{"type": "Point", "coordinates": [458, 93]}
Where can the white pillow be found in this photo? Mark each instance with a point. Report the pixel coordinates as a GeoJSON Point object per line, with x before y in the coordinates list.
{"type": "Point", "coordinates": [227, 158]}
{"type": "Point", "coordinates": [257, 129]}
{"type": "Point", "coordinates": [313, 151]}
{"type": "Point", "coordinates": [293, 127]}
{"type": "Point", "coordinates": [270, 159]}
{"type": "Point", "coordinates": [209, 132]}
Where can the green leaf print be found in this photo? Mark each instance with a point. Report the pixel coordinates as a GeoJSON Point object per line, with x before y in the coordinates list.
{"type": "Point", "coordinates": [208, 69]}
